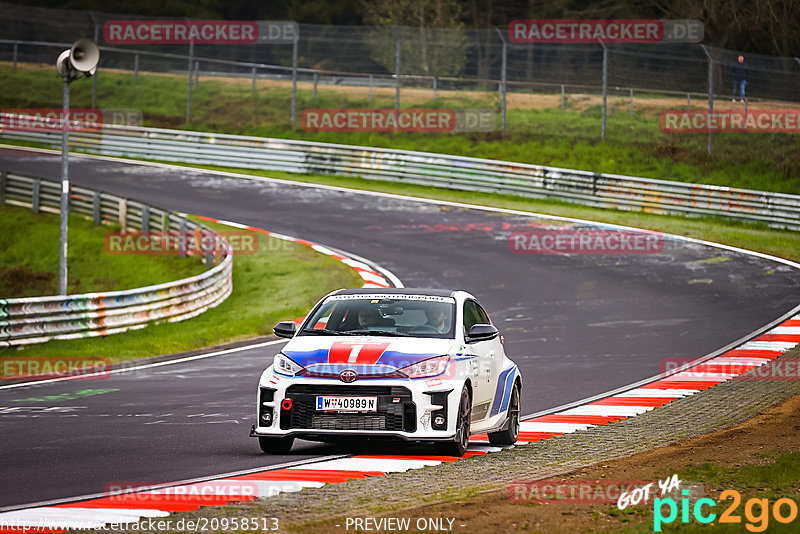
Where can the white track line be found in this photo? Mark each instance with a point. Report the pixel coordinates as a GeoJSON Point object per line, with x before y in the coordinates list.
{"type": "Point", "coordinates": [148, 365]}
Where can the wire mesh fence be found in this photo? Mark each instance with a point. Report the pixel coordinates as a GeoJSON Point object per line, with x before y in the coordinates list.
{"type": "Point", "coordinates": [406, 67]}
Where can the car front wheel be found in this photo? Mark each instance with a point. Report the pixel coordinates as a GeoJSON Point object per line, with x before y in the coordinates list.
{"type": "Point", "coordinates": [270, 445]}
{"type": "Point", "coordinates": [458, 446]}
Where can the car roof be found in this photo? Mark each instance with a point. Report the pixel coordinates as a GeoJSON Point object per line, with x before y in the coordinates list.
{"type": "Point", "coordinates": [397, 291]}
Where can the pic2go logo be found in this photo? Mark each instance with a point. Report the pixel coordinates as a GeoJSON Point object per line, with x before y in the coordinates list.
{"type": "Point", "coordinates": [756, 511]}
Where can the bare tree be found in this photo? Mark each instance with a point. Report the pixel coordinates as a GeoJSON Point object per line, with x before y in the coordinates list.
{"type": "Point", "coordinates": [430, 33]}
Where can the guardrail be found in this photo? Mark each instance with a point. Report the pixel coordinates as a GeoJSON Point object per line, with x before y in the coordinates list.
{"type": "Point", "coordinates": [440, 170]}
{"type": "Point", "coordinates": [32, 320]}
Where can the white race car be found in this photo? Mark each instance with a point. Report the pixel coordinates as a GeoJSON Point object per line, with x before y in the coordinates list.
{"type": "Point", "coordinates": [420, 365]}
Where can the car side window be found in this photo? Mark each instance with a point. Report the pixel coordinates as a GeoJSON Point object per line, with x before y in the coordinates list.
{"type": "Point", "coordinates": [473, 314]}
{"type": "Point", "coordinates": [483, 315]}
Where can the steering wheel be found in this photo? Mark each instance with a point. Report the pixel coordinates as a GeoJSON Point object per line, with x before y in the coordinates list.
{"type": "Point", "coordinates": [423, 329]}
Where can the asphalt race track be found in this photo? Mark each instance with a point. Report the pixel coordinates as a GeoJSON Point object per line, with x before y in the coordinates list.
{"type": "Point", "coordinates": [576, 325]}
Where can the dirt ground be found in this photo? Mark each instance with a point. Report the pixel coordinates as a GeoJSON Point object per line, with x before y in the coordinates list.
{"type": "Point", "coordinates": [775, 430]}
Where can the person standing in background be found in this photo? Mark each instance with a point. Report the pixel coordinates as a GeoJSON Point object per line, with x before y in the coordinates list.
{"type": "Point", "coordinates": [739, 75]}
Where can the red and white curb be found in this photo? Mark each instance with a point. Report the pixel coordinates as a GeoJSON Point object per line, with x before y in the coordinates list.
{"type": "Point", "coordinates": [744, 358]}
{"type": "Point", "coordinates": [160, 503]}
{"type": "Point", "coordinates": [370, 275]}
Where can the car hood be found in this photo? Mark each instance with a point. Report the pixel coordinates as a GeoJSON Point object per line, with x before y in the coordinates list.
{"type": "Point", "coordinates": [364, 354]}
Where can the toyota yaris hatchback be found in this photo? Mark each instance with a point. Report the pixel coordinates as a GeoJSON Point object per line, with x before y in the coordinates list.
{"type": "Point", "coordinates": [418, 365]}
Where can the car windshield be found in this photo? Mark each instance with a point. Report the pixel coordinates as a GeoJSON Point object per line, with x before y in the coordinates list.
{"type": "Point", "coordinates": [384, 315]}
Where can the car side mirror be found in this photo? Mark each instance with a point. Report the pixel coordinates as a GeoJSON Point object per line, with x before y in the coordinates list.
{"type": "Point", "coordinates": [285, 329]}
{"type": "Point", "coordinates": [481, 332]}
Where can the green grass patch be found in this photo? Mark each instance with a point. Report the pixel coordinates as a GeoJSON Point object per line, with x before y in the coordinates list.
{"type": "Point", "coordinates": [29, 258]}
{"type": "Point", "coordinates": [634, 145]}
{"type": "Point", "coordinates": [281, 281]}
{"type": "Point", "coordinates": [776, 476]}
{"type": "Point", "coordinates": [776, 479]}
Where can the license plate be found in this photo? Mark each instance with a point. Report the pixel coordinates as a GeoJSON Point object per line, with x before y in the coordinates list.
{"type": "Point", "coordinates": [347, 404]}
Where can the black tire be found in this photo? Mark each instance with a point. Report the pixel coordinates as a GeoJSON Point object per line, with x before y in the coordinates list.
{"type": "Point", "coordinates": [270, 445]}
{"type": "Point", "coordinates": [458, 446]}
{"type": "Point", "coordinates": [509, 435]}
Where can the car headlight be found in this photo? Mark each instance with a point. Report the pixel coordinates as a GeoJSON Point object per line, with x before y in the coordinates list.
{"type": "Point", "coordinates": [286, 366]}
{"type": "Point", "coordinates": [430, 367]}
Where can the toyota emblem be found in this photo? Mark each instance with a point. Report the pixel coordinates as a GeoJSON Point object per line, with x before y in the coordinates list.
{"type": "Point", "coordinates": [347, 376]}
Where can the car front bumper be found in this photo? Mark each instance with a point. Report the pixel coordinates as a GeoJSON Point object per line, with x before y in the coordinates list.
{"type": "Point", "coordinates": [409, 410]}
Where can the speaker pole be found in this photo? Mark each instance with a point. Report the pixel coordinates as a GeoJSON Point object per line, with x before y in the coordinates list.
{"type": "Point", "coordinates": [80, 60]}
{"type": "Point", "coordinates": [62, 240]}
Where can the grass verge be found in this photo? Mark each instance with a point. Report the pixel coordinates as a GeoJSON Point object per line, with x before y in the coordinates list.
{"type": "Point", "coordinates": [29, 258]}
{"type": "Point", "coordinates": [281, 281]}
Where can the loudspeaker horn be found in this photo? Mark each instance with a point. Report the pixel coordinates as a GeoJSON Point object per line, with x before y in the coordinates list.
{"type": "Point", "coordinates": [84, 56]}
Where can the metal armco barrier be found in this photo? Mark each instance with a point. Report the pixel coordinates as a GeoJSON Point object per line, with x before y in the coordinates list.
{"type": "Point", "coordinates": [441, 170]}
{"type": "Point", "coordinates": [32, 320]}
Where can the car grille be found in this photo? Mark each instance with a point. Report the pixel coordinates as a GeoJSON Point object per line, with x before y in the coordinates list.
{"type": "Point", "coordinates": [351, 421]}
{"type": "Point", "coordinates": [391, 416]}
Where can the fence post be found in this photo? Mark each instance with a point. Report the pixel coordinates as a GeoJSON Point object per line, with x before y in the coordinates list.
{"type": "Point", "coordinates": [196, 73]}
{"type": "Point", "coordinates": [3, 180]}
{"type": "Point", "coordinates": [253, 89]}
{"type": "Point", "coordinates": [605, 89]}
{"type": "Point", "coordinates": [631, 111]}
{"type": "Point", "coordinates": [122, 215]}
{"type": "Point", "coordinates": [316, 81]}
{"type": "Point", "coordinates": [37, 183]}
{"type": "Point", "coordinates": [145, 219]}
{"type": "Point", "coordinates": [182, 238]}
{"type": "Point", "coordinates": [563, 98]}
{"type": "Point", "coordinates": [397, 75]}
{"type": "Point", "coordinates": [16, 51]}
{"type": "Point", "coordinates": [370, 88]}
{"type": "Point", "coordinates": [710, 93]}
{"type": "Point", "coordinates": [164, 221]}
{"type": "Point", "coordinates": [135, 67]}
{"type": "Point", "coordinates": [503, 87]}
{"type": "Point", "coordinates": [96, 213]}
{"type": "Point", "coordinates": [294, 78]}
{"type": "Point", "coordinates": [189, 93]}
{"type": "Point", "coordinates": [689, 102]}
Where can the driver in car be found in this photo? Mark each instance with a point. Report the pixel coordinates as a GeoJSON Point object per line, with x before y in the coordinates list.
{"type": "Point", "coordinates": [368, 317]}
{"type": "Point", "coordinates": [437, 319]}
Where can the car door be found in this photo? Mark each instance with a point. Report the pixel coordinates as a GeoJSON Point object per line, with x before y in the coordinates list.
{"type": "Point", "coordinates": [487, 353]}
